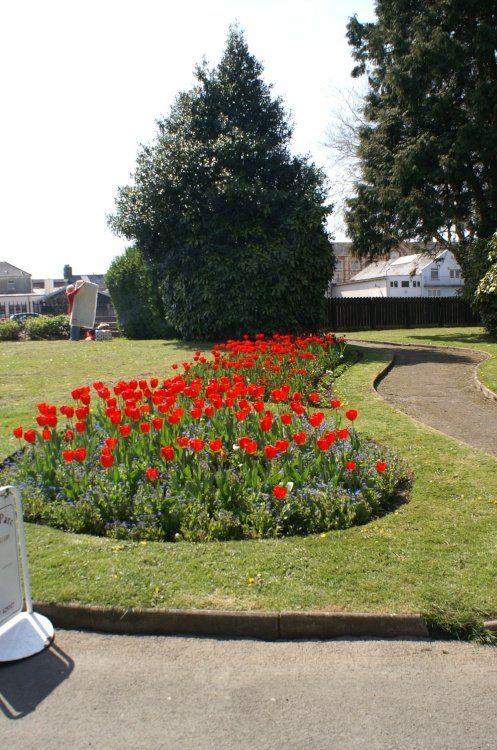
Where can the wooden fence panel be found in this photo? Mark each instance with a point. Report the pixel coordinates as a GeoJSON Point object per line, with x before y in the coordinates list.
{"type": "Point", "coordinates": [355, 313]}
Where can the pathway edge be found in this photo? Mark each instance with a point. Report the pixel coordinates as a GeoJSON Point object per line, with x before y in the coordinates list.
{"type": "Point", "coordinates": [283, 625]}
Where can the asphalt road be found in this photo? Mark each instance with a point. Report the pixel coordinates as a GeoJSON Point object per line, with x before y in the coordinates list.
{"type": "Point", "coordinates": [94, 691]}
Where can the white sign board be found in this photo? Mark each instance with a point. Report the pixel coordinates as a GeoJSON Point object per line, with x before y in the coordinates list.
{"type": "Point", "coordinates": [11, 600]}
{"type": "Point", "coordinates": [85, 306]}
{"type": "Point", "coordinates": [22, 631]}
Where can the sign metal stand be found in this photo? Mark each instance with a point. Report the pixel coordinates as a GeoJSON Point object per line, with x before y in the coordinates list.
{"type": "Point", "coordinates": [22, 631]}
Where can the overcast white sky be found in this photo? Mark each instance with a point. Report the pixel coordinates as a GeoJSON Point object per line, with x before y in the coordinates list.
{"type": "Point", "coordinates": [83, 84]}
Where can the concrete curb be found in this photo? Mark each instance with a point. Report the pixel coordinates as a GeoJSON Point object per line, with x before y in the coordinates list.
{"type": "Point", "coordinates": [268, 626]}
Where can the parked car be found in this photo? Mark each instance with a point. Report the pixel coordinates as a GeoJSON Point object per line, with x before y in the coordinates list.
{"type": "Point", "coordinates": [21, 317]}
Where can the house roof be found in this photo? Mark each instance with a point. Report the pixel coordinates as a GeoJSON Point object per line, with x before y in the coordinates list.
{"type": "Point", "coordinates": [7, 269]}
{"type": "Point", "coordinates": [405, 265]}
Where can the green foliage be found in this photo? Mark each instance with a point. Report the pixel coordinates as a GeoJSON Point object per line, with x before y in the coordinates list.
{"type": "Point", "coordinates": [474, 262]}
{"type": "Point", "coordinates": [9, 330]}
{"type": "Point", "coordinates": [232, 223]}
{"type": "Point", "coordinates": [486, 293]}
{"type": "Point", "coordinates": [428, 149]}
{"type": "Point", "coordinates": [47, 328]}
{"type": "Point", "coordinates": [133, 289]}
{"type": "Point", "coordinates": [220, 507]}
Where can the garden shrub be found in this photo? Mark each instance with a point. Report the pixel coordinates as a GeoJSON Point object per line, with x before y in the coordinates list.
{"type": "Point", "coordinates": [47, 327]}
{"type": "Point", "coordinates": [133, 289]}
{"type": "Point", "coordinates": [9, 330]}
{"type": "Point", "coordinates": [486, 293]}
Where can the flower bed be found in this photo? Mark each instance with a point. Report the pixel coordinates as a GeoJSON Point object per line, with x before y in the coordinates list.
{"type": "Point", "coordinates": [243, 442]}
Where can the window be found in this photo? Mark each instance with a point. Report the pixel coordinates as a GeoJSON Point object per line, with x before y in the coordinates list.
{"type": "Point", "coordinates": [455, 273]}
{"type": "Point", "coordinates": [416, 283]}
{"type": "Point", "coordinates": [404, 283]}
{"type": "Point", "coordinates": [434, 274]}
{"type": "Point", "coordinates": [11, 285]}
{"type": "Point", "coordinates": [355, 265]}
{"type": "Point", "coordinates": [338, 266]}
{"type": "Point", "coordinates": [394, 283]}
{"type": "Point", "coordinates": [434, 293]}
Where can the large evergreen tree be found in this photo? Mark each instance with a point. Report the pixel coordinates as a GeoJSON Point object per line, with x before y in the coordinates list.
{"type": "Point", "coordinates": [233, 224]}
{"type": "Point", "coordinates": [428, 150]}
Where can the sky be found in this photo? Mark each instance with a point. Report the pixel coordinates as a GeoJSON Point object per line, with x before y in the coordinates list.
{"type": "Point", "coordinates": [84, 83]}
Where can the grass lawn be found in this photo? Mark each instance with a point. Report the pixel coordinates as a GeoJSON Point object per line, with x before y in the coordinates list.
{"type": "Point", "coordinates": [436, 555]}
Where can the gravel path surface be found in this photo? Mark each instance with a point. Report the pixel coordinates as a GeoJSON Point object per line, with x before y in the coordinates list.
{"type": "Point", "coordinates": [439, 387]}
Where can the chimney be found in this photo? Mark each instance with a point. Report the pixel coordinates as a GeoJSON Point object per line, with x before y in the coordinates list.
{"type": "Point", "coordinates": [67, 272]}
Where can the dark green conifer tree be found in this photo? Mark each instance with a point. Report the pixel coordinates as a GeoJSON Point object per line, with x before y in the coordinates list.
{"type": "Point", "coordinates": [232, 223]}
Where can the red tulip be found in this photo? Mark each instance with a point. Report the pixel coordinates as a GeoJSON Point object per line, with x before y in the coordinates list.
{"type": "Point", "coordinates": [279, 491]}
{"type": "Point", "coordinates": [145, 427]}
{"type": "Point", "coordinates": [215, 445]}
{"type": "Point", "coordinates": [266, 422]}
{"type": "Point", "coordinates": [381, 466]}
{"type": "Point", "coordinates": [343, 433]}
{"type": "Point", "coordinates": [270, 451]}
{"type": "Point", "coordinates": [335, 403]}
{"type": "Point", "coordinates": [350, 465]}
{"type": "Point", "coordinates": [125, 430]}
{"type": "Point", "coordinates": [351, 414]}
{"type": "Point", "coordinates": [299, 438]}
{"type": "Point", "coordinates": [196, 444]}
{"type": "Point", "coordinates": [30, 436]}
{"type": "Point", "coordinates": [323, 444]}
{"type": "Point", "coordinates": [297, 407]}
{"type": "Point", "coordinates": [80, 454]}
{"type": "Point", "coordinates": [68, 456]}
{"type": "Point", "coordinates": [282, 445]}
{"type": "Point", "coordinates": [17, 432]}
{"type": "Point", "coordinates": [316, 418]}
{"type": "Point", "coordinates": [152, 474]}
{"type": "Point", "coordinates": [167, 452]}
{"type": "Point", "coordinates": [106, 460]}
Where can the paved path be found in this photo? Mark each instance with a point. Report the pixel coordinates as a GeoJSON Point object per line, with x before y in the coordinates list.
{"type": "Point", "coordinates": [119, 692]}
{"type": "Point", "coordinates": [438, 386]}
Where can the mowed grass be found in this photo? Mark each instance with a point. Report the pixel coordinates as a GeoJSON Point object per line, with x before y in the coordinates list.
{"type": "Point", "coordinates": [436, 555]}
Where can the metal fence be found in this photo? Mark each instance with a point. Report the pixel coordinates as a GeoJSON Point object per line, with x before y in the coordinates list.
{"type": "Point", "coordinates": [355, 313]}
